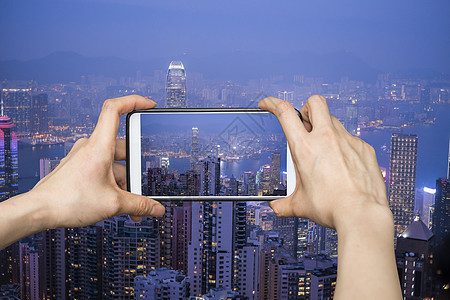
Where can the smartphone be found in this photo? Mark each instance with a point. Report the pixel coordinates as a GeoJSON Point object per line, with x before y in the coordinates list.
{"type": "Point", "coordinates": [235, 154]}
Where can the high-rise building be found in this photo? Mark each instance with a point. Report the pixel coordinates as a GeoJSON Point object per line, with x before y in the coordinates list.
{"type": "Point", "coordinates": [287, 96]}
{"type": "Point", "coordinates": [16, 103]}
{"type": "Point", "coordinates": [402, 179]}
{"type": "Point", "coordinates": [195, 148]}
{"type": "Point", "coordinates": [414, 256]}
{"type": "Point", "coordinates": [351, 117]}
{"type": "Point", "coordinates": [275, 171]}
{"type": "Point", "coordinates": [288, 229]}
{"type": "Point", "coordinates": [441, 215]}
{"type": "Point", "coordinates": [29, 269]}
{"type": "Point", "coordinates": [9, 173]}
{"type": "Point", "coordinates": [39, 114]}
{"type": "Point", "coordinates": [176, 86]}
{"type": "Point", "coordinates": [210, 177]}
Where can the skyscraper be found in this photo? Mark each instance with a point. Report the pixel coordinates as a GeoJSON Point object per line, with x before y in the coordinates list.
{"type": "Point", "coordinates": [414, 256]}
{"type": "Point", "coordinates": [195, 150]}
{"type": "Point", "coordinates": [275, 171]}
{"type": "Point", "coordinates": [9, 173]}
{"type": "Point", "coordinates": [210, 177]}
{"type": "Point", "coordinates": [176, 86]}
{"type": "Point", "coordinates": [351, 117]}
{"type": "Point", "coordinates": [402, 179]}
{"type": "Point", "coordinates": [16, 103]}
{"type": "Point", "coordinates": [441, 216]}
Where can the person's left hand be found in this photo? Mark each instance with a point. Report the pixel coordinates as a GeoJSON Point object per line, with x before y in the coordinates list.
{"type": "Point", "coordinates": [89, 185]}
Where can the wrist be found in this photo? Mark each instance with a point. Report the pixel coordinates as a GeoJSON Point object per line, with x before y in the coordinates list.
{"type": "Point", "coordinates": [365, 217]}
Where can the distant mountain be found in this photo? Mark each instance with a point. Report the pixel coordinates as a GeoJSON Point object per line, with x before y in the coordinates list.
{"type": "Point", "coordinates": [240, 66]}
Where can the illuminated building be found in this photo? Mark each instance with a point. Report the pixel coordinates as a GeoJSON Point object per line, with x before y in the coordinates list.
{"type": "Point", "coordinates": [402, 179]}
{"type": "Point", "coordinates": [39, 114]}
{"type": "Point", "coordinates": [250, 187]}
{"type": "Point", "coordinates": [287, 96]}
{"type": "Point", "coordinates": [29, 269]}
{"type": "Point", "coordinates": [195, 149]}
{"type": "Point", "coordinates": [176, 86]}
{"type": "Point", "coordinates": [9, 166]}
{"type": "Point", "coordinates": [441, 215]}
{"type": "Point", "coordinates": [288, 229]}
{"type": "Point", "coordinates": [351, 117]}
{"type": "Point", "coordinates": [210, 177]}
{"type": "Point", "coordinates": [414, 256]}
{"type": "Point", "coordinates": [424, 201]}
{"type": "Point", "coordinates": [16, 103]}
{"type": "Point", "coordinates": [264, 180]}
{"type": "Point", "coordinates": [165, 164]}
{"type": "Point", "coordinates": [275, 171]}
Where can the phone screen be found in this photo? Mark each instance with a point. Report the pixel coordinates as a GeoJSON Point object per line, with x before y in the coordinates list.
{"type": "Point", "coordinates": [212, 154]}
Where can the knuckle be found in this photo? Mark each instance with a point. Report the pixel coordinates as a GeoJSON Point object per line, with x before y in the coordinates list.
{"type": "Point", "coordinates": [109, 104]}
{"type": "Point", "coordinates": [284, 107]}
{"type": "Point", "coordinates": [317, 98]}
{"type": "Point", "coordinates": [142, 207]}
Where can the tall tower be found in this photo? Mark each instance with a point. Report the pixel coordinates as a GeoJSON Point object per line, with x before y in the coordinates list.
{"type": "Point", "coordinates": [176, 86]}
{"type": "Point", "coordinates": [9, 172]}
{"type": "Point", "coordinates": [195, 150]}
{"type": "Point", "coordinates": [275, 171]}
{"type": "Point", "coordinates": [351, 117]}
{"type": "Point", "coordinates": [441, 216]}
{"type": "Point", "coordinates": [402, 180]}
{"type": "Point", "coordinates": [210, 177]}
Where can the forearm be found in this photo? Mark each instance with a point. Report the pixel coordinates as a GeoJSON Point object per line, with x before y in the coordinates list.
{"type": "Point", "coordinates": [366, 258]}
{"type": "Point", "coordinates": [21, 216]}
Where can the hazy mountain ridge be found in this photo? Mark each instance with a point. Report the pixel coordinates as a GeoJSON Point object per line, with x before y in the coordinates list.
{"type": "Point", "coordinates": [63, 66]}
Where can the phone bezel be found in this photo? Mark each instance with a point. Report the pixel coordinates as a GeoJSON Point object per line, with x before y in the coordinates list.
{"type": "Point", "coordinates": [291, 177]}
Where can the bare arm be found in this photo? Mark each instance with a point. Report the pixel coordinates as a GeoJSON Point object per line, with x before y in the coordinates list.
{"type": "Point", "coordinates": [88, 185]}
{"type": "Point", "coordinates": [339, 185]}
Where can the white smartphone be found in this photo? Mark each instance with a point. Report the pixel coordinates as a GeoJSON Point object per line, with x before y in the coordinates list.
{"type": "Point", "coordinates": [235, 154]}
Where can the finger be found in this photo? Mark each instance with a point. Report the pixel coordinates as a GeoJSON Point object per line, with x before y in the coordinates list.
{"type": "Point", "coordinates": [136, 219]}
{"type": "Point", "coordinates": [108, 122]}
{"type": "Point", "coordinates": [316, 112]}
{"type": "Point", "coordinates": [287, 207]}
{"type": "Point", "coordinates": [288, 118]}
{"type": "Point", "coordinates": [120, 175]}
{"type": "Point", "coordinates": [121, 150]}
{"type": "Point", "coordinates": [140, 206]}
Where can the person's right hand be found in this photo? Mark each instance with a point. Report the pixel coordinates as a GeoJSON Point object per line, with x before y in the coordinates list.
{"type": "Point", "coordinates": [338, 176]}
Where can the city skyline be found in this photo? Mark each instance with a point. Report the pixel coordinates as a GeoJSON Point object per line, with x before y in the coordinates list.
{"type": "Point", "coordinates": [159, 255]}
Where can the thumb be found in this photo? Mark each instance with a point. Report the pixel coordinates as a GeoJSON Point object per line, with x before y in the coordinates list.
{"type": "Point", "coordinates": [139, 206]}
{"type": "Point", "coordinates": [282, 207]}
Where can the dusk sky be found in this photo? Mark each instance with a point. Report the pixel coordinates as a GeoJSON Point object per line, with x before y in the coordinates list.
{"type": "Point", "coordinates": [217, 123]}
{"type": "Point", "coordinates": [387, 34]}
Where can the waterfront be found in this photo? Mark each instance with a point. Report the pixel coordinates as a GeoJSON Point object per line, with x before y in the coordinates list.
{"type": "Point", "coordinates": [432, 153]}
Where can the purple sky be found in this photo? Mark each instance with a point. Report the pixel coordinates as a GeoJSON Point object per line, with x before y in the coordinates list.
{"type": "Point", "coordinates": [387, 34]}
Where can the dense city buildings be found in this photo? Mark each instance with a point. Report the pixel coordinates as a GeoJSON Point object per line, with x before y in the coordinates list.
{"type": "Point", "coordinates": [402, 179]}
{"type": "Point", "coordinates": [17, 104]}
{"type": "Point", "coordinates": [176, 85]}
{"type": "Point", "coordinates": [441, 215]}
{"type": "Point", "coordinates": [212, 250]}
